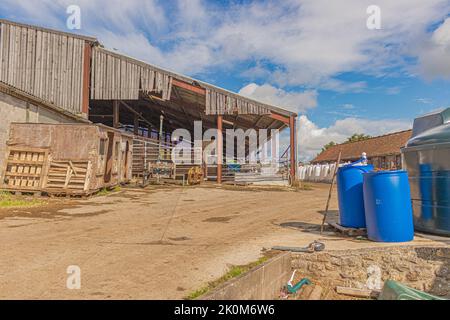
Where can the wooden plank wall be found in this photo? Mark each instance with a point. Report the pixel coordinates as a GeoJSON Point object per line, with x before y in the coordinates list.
{"type": "Point", "coordinates": [218, 103]}
{"type": "Point", "coordinates": [44, 64]}
{"type": "Point", "coordinates": [116, 77]}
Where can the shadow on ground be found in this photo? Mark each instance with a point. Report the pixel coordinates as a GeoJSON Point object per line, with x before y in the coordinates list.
{"type": "Point", "coordinates": [305, 226]}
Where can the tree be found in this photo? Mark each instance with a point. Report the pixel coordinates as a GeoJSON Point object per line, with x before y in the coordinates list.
{"type": "Point", "coordinates": [354, 138]}
{"type": "Point", "coordinates": [358, 137]}
{"type": "Point", "coordinates": [328, 145]}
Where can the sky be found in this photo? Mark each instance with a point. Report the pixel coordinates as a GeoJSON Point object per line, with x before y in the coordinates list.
{"type": "Point", "coordinates": [315, 57]}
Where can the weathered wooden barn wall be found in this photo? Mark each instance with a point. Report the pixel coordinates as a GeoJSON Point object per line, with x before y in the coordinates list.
{"type": "Point", "coordinates": [116, 77]}
{"type": "Point", "coordinates": [17, 110]}
{"type": "Point", "coordinates": [218, 103]}
{"type": "Point", "coordinates": [48, 65]}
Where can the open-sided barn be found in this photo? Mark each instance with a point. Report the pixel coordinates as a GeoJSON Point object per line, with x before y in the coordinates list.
{"type": "Point", "coordinates": [48, 76]}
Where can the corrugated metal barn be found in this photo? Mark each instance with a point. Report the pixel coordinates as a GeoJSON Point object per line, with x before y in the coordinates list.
{"type": "Point", "coordinates": [52, 76]}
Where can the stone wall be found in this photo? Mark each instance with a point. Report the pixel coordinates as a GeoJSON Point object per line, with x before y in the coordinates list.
{"type": "Point", "coordinates": [422, 268]}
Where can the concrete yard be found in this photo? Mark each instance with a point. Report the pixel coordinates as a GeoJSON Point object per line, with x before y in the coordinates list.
{"type": "Point", "coordinates": [117, 239]}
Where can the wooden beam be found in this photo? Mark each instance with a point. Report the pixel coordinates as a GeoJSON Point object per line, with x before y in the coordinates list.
{"type": "Point", "coordinates": [129, 108]}
{"type": "Point", "coordinates": [257, 121]}
{"type": "Point", "coordinates": [101, 116]}
{"type": "Point", "coordinates": [173, 116]}
{"type": "Point", "coordinates": [189, 87]}
{"type": "Point", "coordinates": [281, 118]}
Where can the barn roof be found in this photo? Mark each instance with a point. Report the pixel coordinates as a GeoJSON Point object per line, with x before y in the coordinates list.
{"type": "Point", "coordinates": [388, 144]}
{"type": "Point", "coordinates": [37, 28]}
{"type": "Point", "coordinates": [144, 87]}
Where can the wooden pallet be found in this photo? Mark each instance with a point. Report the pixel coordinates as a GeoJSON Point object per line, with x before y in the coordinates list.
{"type": "Point", "coordinates": [25, 169]}
{"type": "Point", "coordinates": [68, 177]}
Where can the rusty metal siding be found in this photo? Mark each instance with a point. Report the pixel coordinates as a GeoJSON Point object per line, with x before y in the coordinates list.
{"type": "Point", "coordinates": [117, 77]}
{"type": "Point", "coordinates": [44, 64]}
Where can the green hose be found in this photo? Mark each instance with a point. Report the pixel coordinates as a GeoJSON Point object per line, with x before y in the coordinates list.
{"type": "Point", "coordinates": [294, 289]}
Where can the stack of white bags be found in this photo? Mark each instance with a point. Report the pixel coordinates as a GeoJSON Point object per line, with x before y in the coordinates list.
{"type": "Point", "coordinates": [316, 172]}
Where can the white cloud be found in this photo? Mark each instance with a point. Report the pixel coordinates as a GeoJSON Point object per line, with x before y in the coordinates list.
{"type": "Point", "coordinates": [434, 57]}
{"type": "Point", "coordinates": [309, 42]}
{"type": "Point", "coordinates": [312, 137]}
{"type": "Point", "coordinates": [298, 102]}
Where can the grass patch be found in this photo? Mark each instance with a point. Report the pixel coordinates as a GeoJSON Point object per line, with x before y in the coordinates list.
{"type": "Point", "coordinates": [7, 200]}
{"type": "Point", "coordinates": [234, 272]}
{"type": "Point", "coordinates": [306, 187]}
{"type": "Point", "coordinates": [106, 191]}
{"type": "Point", "coordinates": [301, 186]}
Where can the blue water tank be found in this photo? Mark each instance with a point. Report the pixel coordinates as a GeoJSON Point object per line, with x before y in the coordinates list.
{"type": "Point", "coordinates": [350, 195]}
{"type": "Point", "coordinates": [387, 200]}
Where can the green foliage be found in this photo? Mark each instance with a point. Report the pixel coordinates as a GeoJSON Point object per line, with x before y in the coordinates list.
{"type": "Point", "coordinates": [354, 138]}
{"type": "Point", "coordinates": [106, 191]}
{"type": "Point", "coordinates": [328, 145]}
{"type": "Point", "coordinates": [7, 200]}
{"type": "Point", "coordinates": [358, 137]}
{"type": "Point", "coordinates": [234, 272]}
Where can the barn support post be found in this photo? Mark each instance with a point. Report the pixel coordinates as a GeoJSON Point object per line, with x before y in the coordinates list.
{"type": "Point", "coordinates": [136, 125]}
{"type": "Point", "coordinates": [116, 114]}
{"type": "Point", "coordinates": [86, 79]}
{"type": "Point", "coordinates": [219, 148]}
{"type": "Point", "coordinates": [293, 148]}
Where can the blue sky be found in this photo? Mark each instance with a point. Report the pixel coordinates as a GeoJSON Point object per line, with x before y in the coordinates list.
{"type": "Point", "coordinates": [315, 57]}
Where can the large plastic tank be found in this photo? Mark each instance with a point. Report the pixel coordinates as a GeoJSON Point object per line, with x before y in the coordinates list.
{"type": "Point", "coordinates": [426, 157]}
{"type": "Point", "coordinates": [387, 200]}
{"type": "Point", "coordinates": [350, 195]}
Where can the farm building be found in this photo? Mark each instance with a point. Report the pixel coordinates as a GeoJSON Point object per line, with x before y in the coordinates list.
{"type": "Point", "coordinates": [383, 151]}
{"type": "Point", "coordinates": [48, 76]}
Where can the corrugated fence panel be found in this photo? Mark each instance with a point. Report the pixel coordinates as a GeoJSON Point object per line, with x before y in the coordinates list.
{"type": "Point", "coordinates": [44, 64]}
{"type": "Point", "coordinates": [116, 77]}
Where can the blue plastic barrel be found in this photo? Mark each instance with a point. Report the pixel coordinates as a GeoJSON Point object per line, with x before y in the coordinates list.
{"type": "Point", "coordinates": [387, 200]}
{"type": "Point", "coordinates": [350, 195]}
